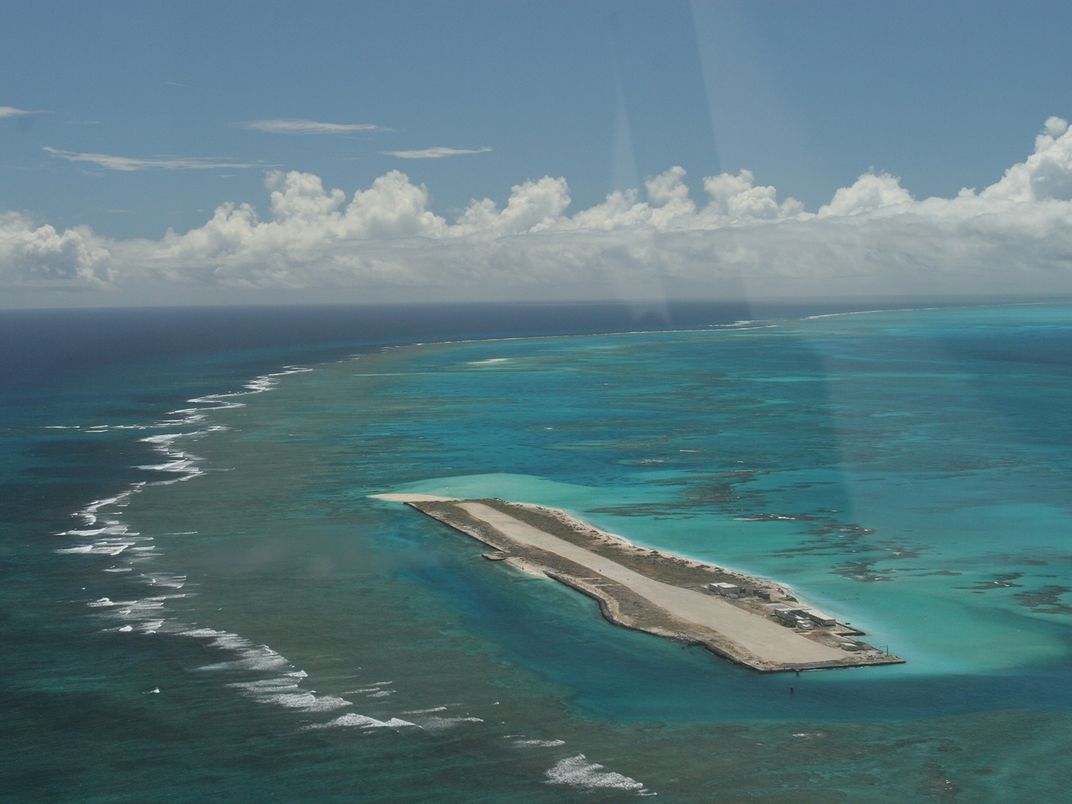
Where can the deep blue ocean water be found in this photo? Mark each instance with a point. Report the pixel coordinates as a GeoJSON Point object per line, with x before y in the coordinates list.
{"type": "Point", "coordinates": [198, 599]}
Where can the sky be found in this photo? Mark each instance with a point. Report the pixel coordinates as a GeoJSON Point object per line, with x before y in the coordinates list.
{"type": "Point", "coordinates": [268, 152]}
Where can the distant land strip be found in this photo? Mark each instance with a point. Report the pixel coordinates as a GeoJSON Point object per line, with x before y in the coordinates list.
{"type": "Point", "coordinates": [752, 621]}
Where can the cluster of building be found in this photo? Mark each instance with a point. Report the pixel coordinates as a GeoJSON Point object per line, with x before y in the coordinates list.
{"type": "Point", "coordinates": [734, 590]}
{"type": "Point", "coordinates": [790, 614]}
{"type": "Point", "coordinates": [799, 616]}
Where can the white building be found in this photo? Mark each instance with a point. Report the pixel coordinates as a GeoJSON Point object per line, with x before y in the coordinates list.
{"type": "Point", "coordinates": [819, 617]}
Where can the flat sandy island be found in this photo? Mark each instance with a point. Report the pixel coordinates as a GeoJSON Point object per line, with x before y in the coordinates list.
{"type": "Point", "coordinates": [752, 621]}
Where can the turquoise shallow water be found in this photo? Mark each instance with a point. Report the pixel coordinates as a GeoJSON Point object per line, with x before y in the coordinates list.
{"type": "Point", "coordinates": [260, 627]}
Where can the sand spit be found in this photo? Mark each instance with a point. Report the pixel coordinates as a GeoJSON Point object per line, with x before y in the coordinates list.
{"type": "Point", "coordinates": [752, 621]}
{"type": "Point", "coordinates": [412, 498]}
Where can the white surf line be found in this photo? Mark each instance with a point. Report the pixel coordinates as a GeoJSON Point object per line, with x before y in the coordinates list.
{"type": "Point", "coordinates": [110, 536]}
{"type": "Point", "coordinates": [972, 306]}
{"type": "Point", "coordinates": [490, 361]}
{"type": "Point", "coordinates": [708, 328]}
{"type": "Point", "coordinates": [524, 742]}
{"type": "Point", "coordinates": [354, 720]}
{"type": "Point", "coordinates": [874, 312]}
{"type": "Point", "coordinates": [579, 771]}
{"type": "Point", "coordinates": [99, 428]}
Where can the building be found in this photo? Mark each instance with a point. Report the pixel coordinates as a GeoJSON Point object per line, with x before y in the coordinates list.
{"type": "Point", "coordinates": [819, 617]}
{"type": "Point", "coordinates": [783, 613]}
{"type": "Point", "coordinates": [725, 589]}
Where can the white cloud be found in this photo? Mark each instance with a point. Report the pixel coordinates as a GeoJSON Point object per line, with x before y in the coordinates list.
{"type": "Point", "coordinates": [11, 111]}
{"type": "Point", "coordinates": [533, 206]}
{"type": "Point", "coordinates": [667, 187]}
{"type": "Point", "coordinates": [384, 241]}
{"type": "Point", "coordinates": [132, 163]}
{"type": "Point", "coordinates": [438, 152]}
{"type": "Point", "coordinates": [1045, 175]}
{"type": "Point", "coordinates": [868, 193]}
{"type": "Point", "coordinates": [393, 207]}
{"type": "Point", "coordinates": [38, 255]}
{"type": "Point", "coordinates": [737, 198]}
{"type": "Point", "coordinates": [291, 125]}
{"type": "Point", "coordinates": [301, 196]}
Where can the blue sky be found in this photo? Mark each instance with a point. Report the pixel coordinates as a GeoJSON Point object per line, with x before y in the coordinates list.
{"type": "Point", "coordinates": [806, 95]}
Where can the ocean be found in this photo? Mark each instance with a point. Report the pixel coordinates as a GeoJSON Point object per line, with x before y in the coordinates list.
{"type": "Point", "coordinates": [199, 600]}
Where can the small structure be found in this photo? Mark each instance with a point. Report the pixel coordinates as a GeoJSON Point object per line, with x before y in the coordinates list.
{"type": "Point", "coordinates": [819, 617]}
{"type": "Point", "coordinates": [783, 613]}
{"type": "Point", "coordinates": [725, 589]}
{"type": "Point", "coordinates": [775, 608]}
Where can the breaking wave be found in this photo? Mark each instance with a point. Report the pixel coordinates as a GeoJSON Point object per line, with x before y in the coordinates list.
{"type": "Point", "coordinates": [102, 532]}
{"type": "Point", "coordinates": [577, 771]}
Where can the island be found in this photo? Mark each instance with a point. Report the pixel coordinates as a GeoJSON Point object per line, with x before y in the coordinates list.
{"type": "Point", "coordinates": [752, 621]}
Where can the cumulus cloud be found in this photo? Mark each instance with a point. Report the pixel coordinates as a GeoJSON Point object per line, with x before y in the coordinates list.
{"type": "Point", "coordinates": [737, 198]}
{"type": "Point", "coordinates": [438, 152]}
{"type": "Point", "coordinates": [869, 192]}
{"type": "Point", "coordinates": [132, 163]}
{"type": "Point", "coordinates": [290, 125]}
{"type": "Point", "coordinates": [1045, 175]}
{"type": "Point", "coordinates": [533, 206]}
{"type": "Point", "coordinates": [38, 255]}
{"type": "Point", "coordinates": [386, 241]}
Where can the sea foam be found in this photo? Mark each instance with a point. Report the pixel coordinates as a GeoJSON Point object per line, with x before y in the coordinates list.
{"type": "Point", "coordinates": [146, 616]}
{"type": "Point", "coordinates": [577, 771]}
{"type": "Point", "coordinates": [354, 720]}
{"type": "Point", "coordinates": [539, 743]}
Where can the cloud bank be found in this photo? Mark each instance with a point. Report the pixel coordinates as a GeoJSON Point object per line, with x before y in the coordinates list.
{"type": "Point", "coordinates": [13, 111]}
{"type": "Point", "coordinates": [437, 152]}
{"type": "Point", "coordinates": [385, 242]}
{"type": "Point", "coordinates": [299, 126]}
{"type": "Point", "coordinates": [129, 164]}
